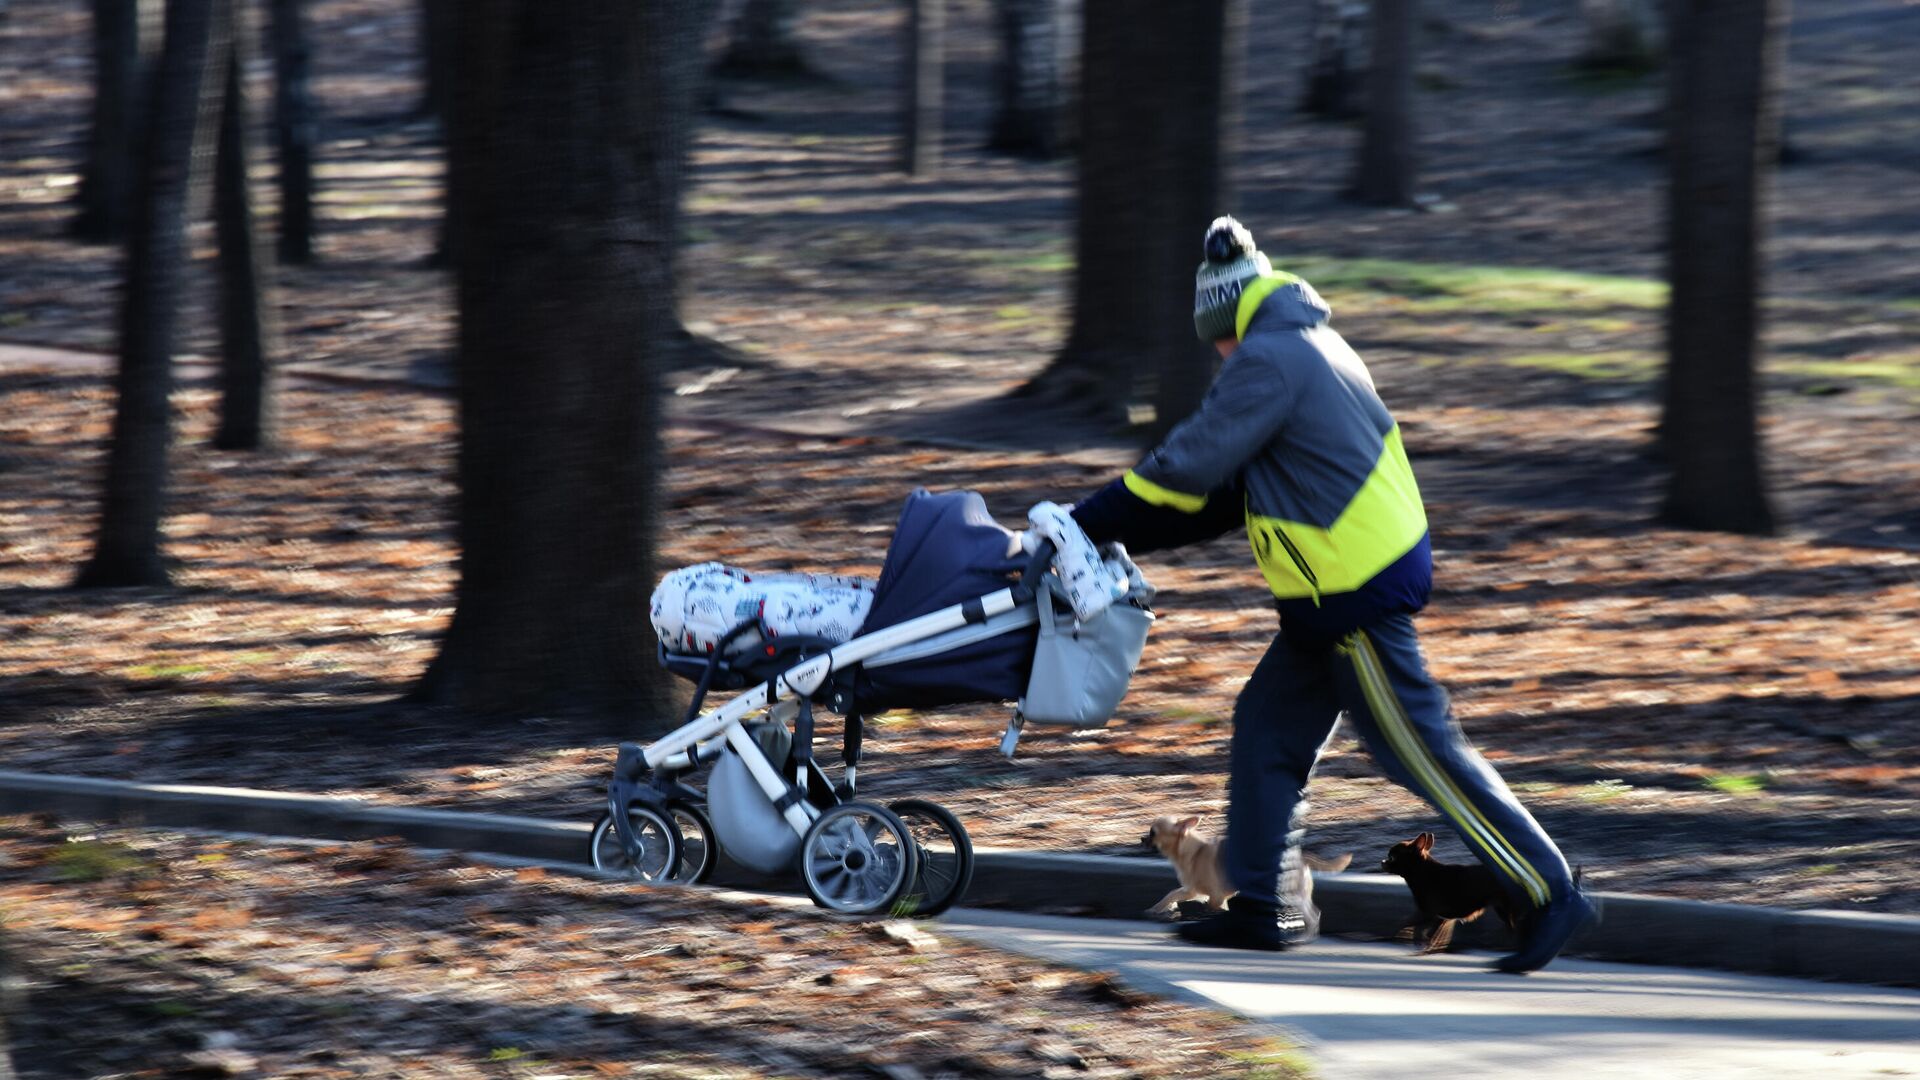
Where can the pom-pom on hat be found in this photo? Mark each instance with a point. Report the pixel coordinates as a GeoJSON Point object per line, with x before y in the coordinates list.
{"type": "Point", "coordinates": [1231, 262]}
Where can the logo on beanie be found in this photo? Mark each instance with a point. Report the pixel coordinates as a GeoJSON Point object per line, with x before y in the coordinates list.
{"type": "Point", "coordinates": [1224, 294]}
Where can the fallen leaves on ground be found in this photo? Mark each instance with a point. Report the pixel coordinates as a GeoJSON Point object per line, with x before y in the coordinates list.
{"type": "Point", "coordinates": [224, 957]}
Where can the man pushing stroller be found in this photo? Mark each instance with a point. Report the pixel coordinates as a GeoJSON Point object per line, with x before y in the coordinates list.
{"type": "Point", "coordinates": [1293, 444]}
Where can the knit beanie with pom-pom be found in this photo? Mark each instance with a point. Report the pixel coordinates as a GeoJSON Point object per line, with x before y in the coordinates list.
{"type": "Point", "coordinates": [1232, 261]}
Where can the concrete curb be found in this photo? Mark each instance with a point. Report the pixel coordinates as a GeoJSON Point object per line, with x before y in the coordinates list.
{"type": "Point", "coordinates": [1833, 945]}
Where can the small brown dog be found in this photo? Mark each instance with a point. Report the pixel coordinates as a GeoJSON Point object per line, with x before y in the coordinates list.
{"type": "Point", "coordinates": [1445, 893]}
{"type": "Point", "coordinates": [1196, 860]}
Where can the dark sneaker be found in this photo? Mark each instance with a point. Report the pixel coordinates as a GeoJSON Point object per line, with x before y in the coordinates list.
{"type": "Point", "coordinates": [1548, 933]}
{"type": "Point", "coordinates": [1249, 924]}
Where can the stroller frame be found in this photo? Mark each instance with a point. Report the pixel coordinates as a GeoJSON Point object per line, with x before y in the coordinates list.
{"type": "Point", "coordinates": [649, 774]}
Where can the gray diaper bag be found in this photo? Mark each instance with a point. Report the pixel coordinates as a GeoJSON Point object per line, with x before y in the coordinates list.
{"type": "Point", "coordinates": [1081, 669]}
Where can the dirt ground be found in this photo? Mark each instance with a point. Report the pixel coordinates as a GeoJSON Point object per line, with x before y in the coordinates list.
{"type": "Point", "coordinates": [1689, 715]}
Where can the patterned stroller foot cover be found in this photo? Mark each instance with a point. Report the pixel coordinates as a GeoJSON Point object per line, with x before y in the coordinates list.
{"type": "Point", "coordinates": [694, 607]}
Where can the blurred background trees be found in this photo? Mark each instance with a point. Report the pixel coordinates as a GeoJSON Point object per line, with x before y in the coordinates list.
{"type": "Point", "coordinates": [922, 109]}
{"type": "Point", "coordinates": [183, 110]}
{"type": "Point", "coordinates": [761, 43]}
{"type": "Point", "coordinates": [1385, 176]}
{"type": "Point", "coordinates": [124, 38]}
{"type": "Point", "coordinates": [547, 219]}
{"type": "Point", "coordinates": [294, 123]}
{"type": "Point", "coordinates": [1028, 76]}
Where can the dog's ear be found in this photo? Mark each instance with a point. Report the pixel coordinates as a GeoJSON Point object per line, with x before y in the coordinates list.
{"type": "Point", "coordinates": [1186, 824]}
{"type": "Point", "coordinates": [1423, 843]}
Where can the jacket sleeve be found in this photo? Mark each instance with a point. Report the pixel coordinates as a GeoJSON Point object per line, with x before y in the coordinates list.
{"type": "Point", "coordinates": [1116, 513]}
{"type": "Point", "coordinates": [1244, 410]}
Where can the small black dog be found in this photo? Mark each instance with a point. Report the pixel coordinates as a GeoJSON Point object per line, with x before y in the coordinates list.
{"type": "Point", "coordinates": [1444, 892]}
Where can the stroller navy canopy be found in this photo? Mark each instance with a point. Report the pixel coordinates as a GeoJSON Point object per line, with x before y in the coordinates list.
{"type": "Point", "coordinates": [946, 549]}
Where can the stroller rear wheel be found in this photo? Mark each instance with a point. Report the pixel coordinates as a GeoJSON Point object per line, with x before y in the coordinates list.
{"type": "Point", "coordinates": [699, 851]}
{"type": "Point", "coordinates": [659, 856]}
{"type": "Point", "coordinates": [946, 857]}
{"type": "Point", "coordinates": [858, 858]}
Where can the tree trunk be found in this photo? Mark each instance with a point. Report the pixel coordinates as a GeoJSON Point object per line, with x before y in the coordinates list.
{"type": "Point", "coordinates": [1027, 79]}
{"type": "Point", "coordinates": [439, 39]}
{"type": "Point", "coordinates": [10, 995]}
{"type": "Point", "coordinates": [1069, 17]}
{"type": "Point", "coordinates": [1151, 176]}
{"type": "Point", "coordinates": [247, 337]}
{"type": "Point", "coordinates": [179, 124]}
{"type": "Point", "coordinates": [568, 139]}
{"type": "Point", "coordinates": [1385, 176]}
{"type": "Point", "coordinates": [293, 130]}
{"type": "Point", "coordinates": [436, 47]}
{"type": "Point", "coordinates": [123, 33]}
{"type": "Point", "coordinates": [1619, 36]}
{"type": "Point", "coordinates": [1722, 144]}
{"type": "Point", "coordinates": [1337, 60]}
{"type": "Point", "coordinates": [761, 42]}
{"type": "Point", "coordinates": [922, 113]}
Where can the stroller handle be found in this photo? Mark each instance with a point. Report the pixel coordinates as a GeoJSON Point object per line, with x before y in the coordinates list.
{"type": "Point", "coordinates": [1030, 576]}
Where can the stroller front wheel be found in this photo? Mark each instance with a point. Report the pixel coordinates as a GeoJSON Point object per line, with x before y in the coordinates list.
{"type": "Point", "coordinates": [657, 861]}
{"type": "Point", "coordinates": [699, 851]}
{"type": "Point", "coordinates": [858, 858]}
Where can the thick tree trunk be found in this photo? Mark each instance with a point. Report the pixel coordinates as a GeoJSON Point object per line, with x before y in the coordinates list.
{"type": "Point", "coordinates": [123, 33]}
{"type": "Point", "coordinates": [178, 127]}
{"type": "Point", "coordinates": [1337, 60]}
{"type": "Point", "coordinates": [1151, 176]}
{"type": "Point", "coordinates": [922, 111]}
{"type": "Point", "coordinates": [1724, 110]}
{"type": "Point", "coordinates": [247, 337]}
{"type": "Point", "coordinates": [567, 144]}
{"type": "Point", "coordinates": [1385, 176]}
{"type": "Point", "coordinates": [1027, 79]}
{"type": "Point", "coordinates": [761, 42]}
{"type": "Point", "coordinates": [293, 129]}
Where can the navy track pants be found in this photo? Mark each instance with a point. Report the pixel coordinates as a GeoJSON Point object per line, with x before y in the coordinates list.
{"type": "Point", "coordinates": [1286, 714]}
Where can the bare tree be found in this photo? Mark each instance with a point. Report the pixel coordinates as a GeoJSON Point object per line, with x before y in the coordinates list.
{"type": "Point", "coordinates": [1385, 176]}
{"type": "Point", "coordinates": [181, 109]}
{"type": "Point", "coordinates": [248, 337]}
{"type": "Point", "coordinates": [761, 42]}
{"type": "Point", "coordinates": [439, 25]}
{"type": "Point", "coordinates": [1726, 57]}
{"type": "Point", "coordinates": [1336, 58]}
{"type": "Point", "coordinates": [123, 40]}
{"type": "Point", "coordinates": [568, 138]}
{"type": "Point", "coordinates": [925, 69]}
{"type": "Point", "coordinates": [9, 996]}
{"type": "Point", "coordinates": [1026, 118]}
{"type": "Point", "coordinates": [293, 129]}
{"type": "Point", "coordinates": [1620, 35]}
{"type": "Point", "coordinates": [1156, 95]}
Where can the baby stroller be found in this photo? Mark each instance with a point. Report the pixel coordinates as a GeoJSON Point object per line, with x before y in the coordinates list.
{"type": "Point", "coordinates": [954, 619]}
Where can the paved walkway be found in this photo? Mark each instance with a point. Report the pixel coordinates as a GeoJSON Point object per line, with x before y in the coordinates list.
{"type": "Point", "coordinates": [1367, 1011]}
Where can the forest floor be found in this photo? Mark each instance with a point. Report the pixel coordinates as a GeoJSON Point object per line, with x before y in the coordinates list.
{"type": "Point", "coordinates": [1689, 714]}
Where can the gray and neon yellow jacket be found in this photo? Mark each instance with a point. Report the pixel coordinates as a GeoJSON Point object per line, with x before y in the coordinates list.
{"type": "Point", "coordinates": [1292, 441]}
